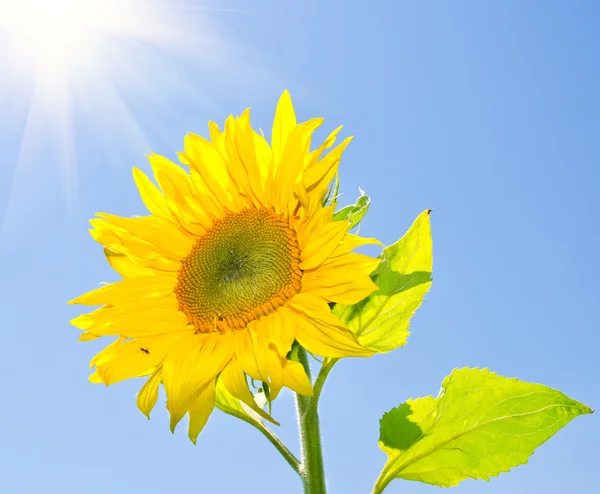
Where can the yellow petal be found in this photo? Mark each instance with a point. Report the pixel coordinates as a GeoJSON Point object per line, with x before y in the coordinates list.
{"type": "Point", "coordinates": [321, 244]}
{"type": "Point", "coordinates": [235, 381]}
{"type": "Point", "coordinates": [260, 360]}
{"type": "Point", "coordinates": [155, 318]}
{"type": "Point", "coordinates": [136, 357]}
{"type": "Point", "coordinates": [107, 353]}
{"type": "Point", "coordinates": [264, 156]}
{"type": "Point", "coordinates": [291, 165]}
{"type": "Point", "coordinates": [314, 156]}
{"type": "Point", "coordinates": [212, 170]}
{"type": "Point", "coordinates": [170, 239]}
{"type": "Point", "coordinates": [255, 358]}
{"type": "Point", "coordinates": [129, 290]}
{"type": "Point", "coordinates": [195, 361]}
{"type": "Point", "coordinates": [295, 378]}
{"type": "Point", "coordinates": [125, 265]}
{"type": "Point", "coordinates": [94, 378]}
{"type": "Point", "coordinates": [322, 333]}
{"type": "Point", "coordinates": [137, 250]}
{"type": "Point", "coordinates": [283, 124]}
{"type": "Point", "coordinates": [351, 242]}
{"type": "Point", "coordinates": [276, 331]}
{"type": "Point", "coordinates": [152, 197]}
{"type": "Point", "coordinates": [256, 171]}
{"type": "Point", "coordinates": [88, 337]}
{"type": "Point", "coordinates": [343, 279]}
{"type": "Point", "coordinates": [148, 395]}
{"type": "Point", "coordinates": [202, 406]}
{"type": "Point", "coordinates": [214, 131]}
{"type": "Point", "coordinates": [319, 175]}
{"type": "Point", "coordinates": [240, 160]}
{"type": "Point", "coordinates": [307, 225]}
{"type": "Point", "coordinates": [179, 194]}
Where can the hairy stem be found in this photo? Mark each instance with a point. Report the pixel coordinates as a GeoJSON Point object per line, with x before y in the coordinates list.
{"type": "Point", "coordinates": [311, 468]}
{"type": "Point", "coordinates": [273, 439]}
{"type": "Point", "coordinates": [382, 481]}
{"type": "Point", "coordinates": [323, 373]}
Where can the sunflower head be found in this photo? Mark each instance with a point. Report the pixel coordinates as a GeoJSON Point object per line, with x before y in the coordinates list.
{"type": "Point", "coordinates": [239, 258]}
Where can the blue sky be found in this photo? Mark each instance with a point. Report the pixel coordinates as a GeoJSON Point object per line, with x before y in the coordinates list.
{"type": "Point", "coordinates": [487, 112]}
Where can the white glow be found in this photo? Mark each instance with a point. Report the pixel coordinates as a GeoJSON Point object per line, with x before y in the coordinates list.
{"type": "Point", "coordinates": [96, 77]}
{"type": "Point", "coordinates": [61, 32]}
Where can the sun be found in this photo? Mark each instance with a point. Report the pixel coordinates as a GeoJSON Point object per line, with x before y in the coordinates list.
{"type": "Point", "coordinates": [59, 32]}
{"type": "Point", "coordinates": [91, 74]}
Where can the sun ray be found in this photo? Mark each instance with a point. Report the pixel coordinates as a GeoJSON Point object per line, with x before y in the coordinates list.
{"type": "Point", "coordinates": [105, 67]}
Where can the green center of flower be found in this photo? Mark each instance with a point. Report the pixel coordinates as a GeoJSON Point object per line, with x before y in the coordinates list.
{"type": "Point", "coordinates": [243, 268]}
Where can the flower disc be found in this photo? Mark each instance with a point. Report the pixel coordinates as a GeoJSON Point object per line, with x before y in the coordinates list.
{"type": "Point", "coordinates": [243, 268]}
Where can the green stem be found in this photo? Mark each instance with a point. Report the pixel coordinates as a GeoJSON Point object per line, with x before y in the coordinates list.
{"type": "Point", "coordinates": [320, 381]}
{"type": "Point", "coordinates": [311, 468]}
{"type": "Point", "coordinates": [273, 439]}
{"type": "Point", "coordinates": [383, 480]}
{"type": "Point", "coordinates": [286, 453]}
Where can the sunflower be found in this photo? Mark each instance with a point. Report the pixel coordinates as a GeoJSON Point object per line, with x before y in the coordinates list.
{"type": "Point", "coordinates": [239, 258]}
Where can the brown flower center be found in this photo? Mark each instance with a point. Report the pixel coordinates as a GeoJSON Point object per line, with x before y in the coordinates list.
{"type": "Point", "coordinates": [243, 268]}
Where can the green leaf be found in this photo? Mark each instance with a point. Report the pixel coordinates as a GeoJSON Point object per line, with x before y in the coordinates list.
{"type": "Point", "coordinates": [229, 404]}
{"type": "Point", "coordinates": [479, 426]}
{"type": "Point", "coordinates": [354, 214]}
{"type": "Point", "coordinates": [381, 321]}
{"type": "Point", "coordinates": [332, 192]}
